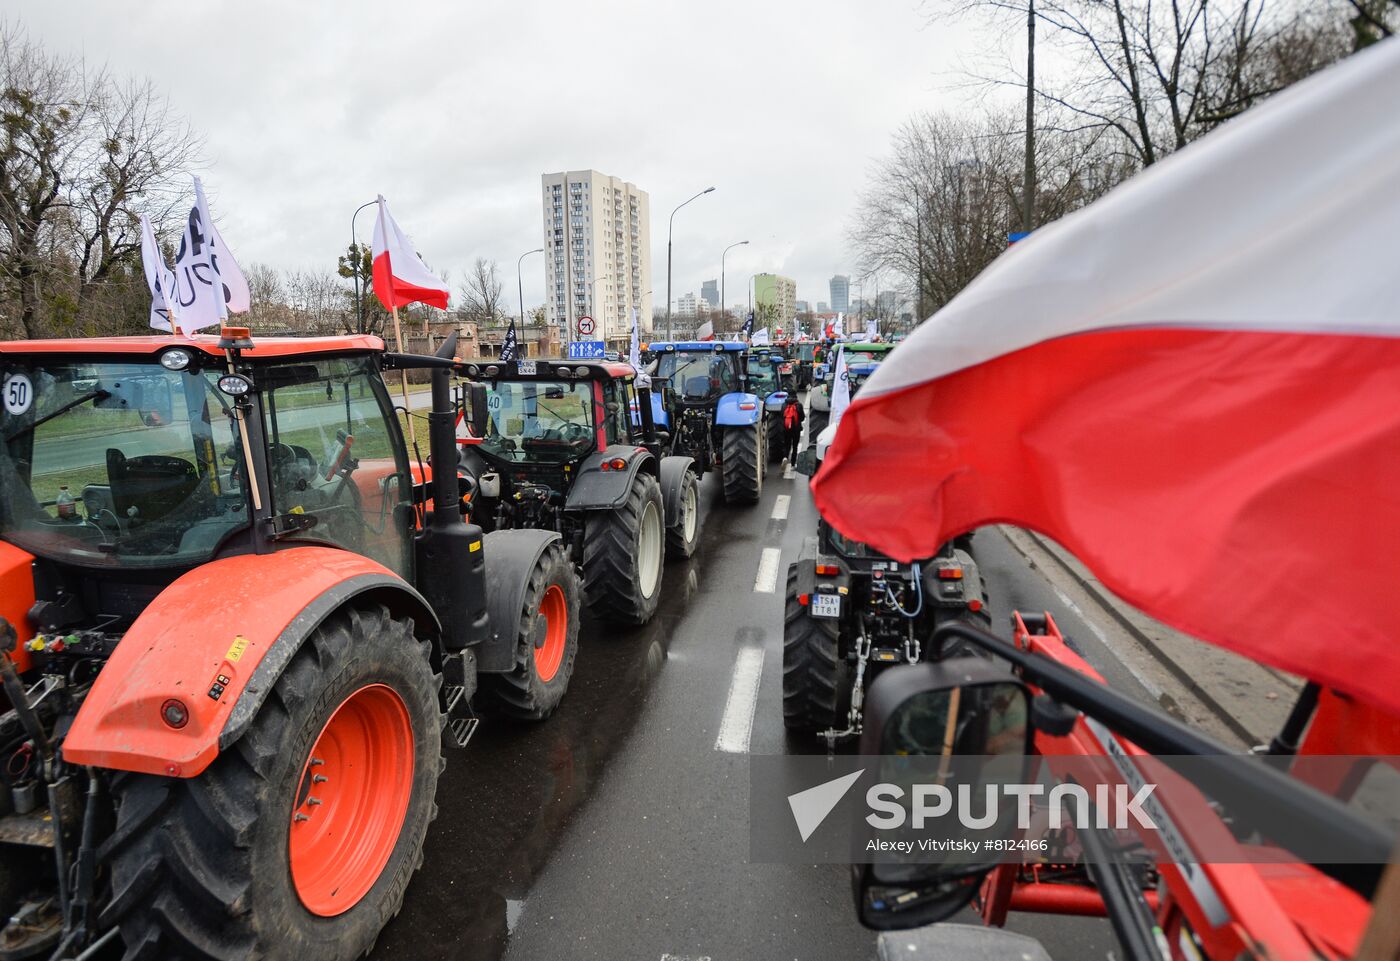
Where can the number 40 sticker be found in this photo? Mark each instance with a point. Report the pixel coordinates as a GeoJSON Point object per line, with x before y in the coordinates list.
{"type": "Point", "coordinates": [18, 393]}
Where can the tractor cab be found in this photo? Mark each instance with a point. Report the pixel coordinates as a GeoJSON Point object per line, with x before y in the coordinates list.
{"type": "Point", "coordinates": [700, 372]}
{"type": "Point", "coordinates": [543, 419]}
{"type": "Point", "coordinates": [148, 454]}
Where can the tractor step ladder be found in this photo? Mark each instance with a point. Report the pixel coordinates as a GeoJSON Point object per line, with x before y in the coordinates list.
{"type": "Point", "coordinates": [460, 728]}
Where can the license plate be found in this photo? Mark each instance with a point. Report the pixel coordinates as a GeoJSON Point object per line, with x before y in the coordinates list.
{"type": "Point", "coordinates": [526, 367]}
{"type": "Point", "coordinates": [826, 605]}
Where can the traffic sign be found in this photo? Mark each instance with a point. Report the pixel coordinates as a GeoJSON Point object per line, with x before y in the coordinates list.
{"type": "Point", "coordinates": [585, 326]}
{"type": "Point", "coordinates": [586, 349]}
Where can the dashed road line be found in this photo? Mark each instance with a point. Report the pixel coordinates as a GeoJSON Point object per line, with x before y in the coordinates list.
{"type": "Point", "coordinates": [766, 581]}
{"type": "Point", "coordinates": [736, 725]}
{"type": "Point", "coordinates": [1154, 689]}
{"type": "Point", "coordinates": [780, 507]}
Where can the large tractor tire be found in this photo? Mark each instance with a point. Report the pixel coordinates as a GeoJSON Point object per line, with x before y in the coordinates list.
{"type": "Point", "coordinates": [816, 679]}
{"type": "Point", "coordinates": [546, 645]}
{"type": "Point", "coordinates": [623, 551]}
{"type": "Point", "coordinates": [298, 842]}
{"type": "Point", "coordinates": [742, 458]}
{"type": "Point", "coordinates": [816, 423]}
{"type": "Point", "coordinates": [683, 530]}
{"type": "Point", "coordinates": [776, 441]}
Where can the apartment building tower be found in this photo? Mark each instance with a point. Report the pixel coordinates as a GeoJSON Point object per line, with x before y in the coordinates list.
{"type": "Point", "coordinates": [597, 242]}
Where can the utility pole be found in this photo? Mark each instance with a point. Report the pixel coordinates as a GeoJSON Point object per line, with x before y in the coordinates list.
{"type": "Point", "coordinates": [919, 255]}
{"type": "Point", "coordinates": [1028, 198]}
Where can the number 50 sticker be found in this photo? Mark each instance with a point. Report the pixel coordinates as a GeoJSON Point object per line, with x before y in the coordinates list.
{"type": "Point", "coordinates": [18, 393]}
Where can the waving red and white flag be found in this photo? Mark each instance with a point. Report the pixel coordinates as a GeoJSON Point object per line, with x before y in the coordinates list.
{"type": "Point", "coordinates": [1192, 384]}
{"type": "Point", "coordinates": [400, 276]}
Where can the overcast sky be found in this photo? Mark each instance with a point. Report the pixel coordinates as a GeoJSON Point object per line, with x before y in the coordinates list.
{"type": "Point", "coordinates": [453, 110]}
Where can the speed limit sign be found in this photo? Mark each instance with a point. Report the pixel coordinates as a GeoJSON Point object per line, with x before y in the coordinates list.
{"type": "Point", "coordinates": [585, 325]}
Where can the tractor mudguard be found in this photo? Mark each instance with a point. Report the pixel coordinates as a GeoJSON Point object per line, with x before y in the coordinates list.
{"type": "Point", "coordinates": [673, 471]}
{"type": "Point", "coordinates": [598, 489]}
{"type": "Point", "coordinates": [805, 569]}
{"type": "Point", "coordinates": [510, 556]}
{"type": "Point", "coordinates": [216, 640]}
{"type": "Point", "coordinates": [774, 402]}
{"type": "Point", "coordinates": [820, 398]}
{"type": "Point", "coordinates": [17, 597]}
{"type": "Point", "coordinates": [738, 410]}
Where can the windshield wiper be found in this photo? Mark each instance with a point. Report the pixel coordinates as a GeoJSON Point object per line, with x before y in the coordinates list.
{"type": "Point", "coordinates": [98, 394]}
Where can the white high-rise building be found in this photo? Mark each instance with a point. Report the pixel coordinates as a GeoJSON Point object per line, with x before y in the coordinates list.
{"type": "Point", "coordinates": [598, 262]}
{"type": "Point", "coordinates": [687, 305]}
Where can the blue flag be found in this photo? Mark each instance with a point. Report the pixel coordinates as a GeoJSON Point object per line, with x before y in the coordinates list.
{"type": "Point", "coordinates": [508, 349]}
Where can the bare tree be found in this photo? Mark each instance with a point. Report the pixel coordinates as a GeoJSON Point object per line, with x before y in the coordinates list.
{"type": "Point", "coordinates": [1158, 74]}
{"type": "Point", "coordinates": [481, 293]}
{"type": "Point", "coordinates": [81, 156]}
{"type": "Point", "coordinates": [938, 209]}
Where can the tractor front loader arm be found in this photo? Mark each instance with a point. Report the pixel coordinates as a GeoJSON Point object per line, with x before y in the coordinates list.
{"type": "Point", "coordinates": [214, 642]}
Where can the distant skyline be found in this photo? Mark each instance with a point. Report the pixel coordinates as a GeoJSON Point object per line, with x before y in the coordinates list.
{"type": "Point", "coordinates": [304, 117]}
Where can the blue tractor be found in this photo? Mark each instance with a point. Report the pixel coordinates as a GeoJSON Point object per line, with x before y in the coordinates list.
{"type": "Point", "coordinates": [703, 401]}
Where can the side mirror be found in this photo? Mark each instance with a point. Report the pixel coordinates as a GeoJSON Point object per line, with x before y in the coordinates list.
{"type": "Point", "coordinates": [960, 725]}
{"type": "Point", "coordinates": [476, 397]}
{"type": "Point", "coordinates": [806, 462]}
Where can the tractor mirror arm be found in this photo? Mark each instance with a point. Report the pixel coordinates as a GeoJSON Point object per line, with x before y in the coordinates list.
{"type": "Point", "coordinates": [1278, 802]}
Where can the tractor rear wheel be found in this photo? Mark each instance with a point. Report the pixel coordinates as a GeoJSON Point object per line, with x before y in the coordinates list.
{"type": "Point", "coordinates": [742, 464]}
{"type": "Point", "coordinates": [683, 530]}
{"type": "Point", "coordinates": [297, 843]}
{"type": "Point", "coordinates": [623, 551]}
{"type": "Point", "coordinates": [816, 423]}
{"type": "Point", "coordinates": [816, 679]}
{"type": "Point", "coordinates": [547, 642]}
{"type": "Point", "coordinates": [777, 440]}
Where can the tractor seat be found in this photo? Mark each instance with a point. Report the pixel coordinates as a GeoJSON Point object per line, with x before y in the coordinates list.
{"type": "Point", "coordinates": [153, 484]}
{"type": "Point", "coordinates": [697, 386]}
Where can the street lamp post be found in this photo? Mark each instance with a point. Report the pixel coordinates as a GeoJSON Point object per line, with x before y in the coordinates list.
{"type": "Point", "coordinates": [520, 284]}
{"type": "Point", "coordinates": [355, 266]}
{"type": "Point", "coordinates": [723, 308]}
{"type": "Point", "coordinates": [669, 225]}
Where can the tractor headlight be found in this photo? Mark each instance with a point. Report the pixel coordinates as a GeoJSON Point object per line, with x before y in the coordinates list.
{"type": "Point", "coordinates": [563, 372]}
{"type": "Point", "coordinates": [473, 370]}
{"type": "Point", "coordinates": [492, 371]}
{"type": "Point", "coordinates": [580, 371]}
{"type": "Point", "coordinates": [176, 358]}
{"type": "Point", "coordinates": [235, 385]}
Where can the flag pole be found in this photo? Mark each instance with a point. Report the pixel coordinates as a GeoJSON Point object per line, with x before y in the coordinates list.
{"type": "Point", "coordinates": [403, 375]}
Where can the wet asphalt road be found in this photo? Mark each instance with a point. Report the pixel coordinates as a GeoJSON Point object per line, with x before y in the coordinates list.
{"type": "Point", "coordinates": [615, 830]}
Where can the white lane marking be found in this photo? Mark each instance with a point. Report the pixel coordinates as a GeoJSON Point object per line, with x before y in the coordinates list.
{"type": "Point", "coordinates": [736, 725]}
{"type": "Point", "coordinates": [780, 507]}
{"type": "Point", "coordinates": [767, 580]}
{"type": "Point", "coordinates": [1153, 689]}
{"type": "Point", "coordinates": [789, 473]}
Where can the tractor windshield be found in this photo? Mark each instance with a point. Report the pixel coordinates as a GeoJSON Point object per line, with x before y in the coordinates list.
{"type": "Point", "coordinates": [537, 420]}
{"type": "Point", "coordinates": [118, 463]}
{"type": "Point", "coordinates": [763, 376]}
{"type": "Point", "coordinates": [699, 375]}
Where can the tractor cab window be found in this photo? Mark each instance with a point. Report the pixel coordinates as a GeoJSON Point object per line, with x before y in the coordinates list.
{"type": "Point", "coordinates": [539, 420]}
{"type": "Point", "coordinates": [699, 375]}
{"type": "Point", "coordinates": [130, 464]}
{"type": "Point", "coordinates": [617, 408]}
{"type": "Point", "coordinates": [334, 455]}
{"type": "Point", "coordinates": [763, 376]}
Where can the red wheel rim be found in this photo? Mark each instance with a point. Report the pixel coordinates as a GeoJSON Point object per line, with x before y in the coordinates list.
{"type": "Point", "coordinates": [550, 654]}
{"type": "Point", "coordinates": [351, 801]}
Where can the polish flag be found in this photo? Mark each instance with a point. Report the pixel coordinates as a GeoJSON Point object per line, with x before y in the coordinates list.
{"type": "Point", "coordinates": [400, 276]}
{"type": "Point", "coordinates": [706, 331]}
{"type": "Point", "coordinates": [1192, 384]}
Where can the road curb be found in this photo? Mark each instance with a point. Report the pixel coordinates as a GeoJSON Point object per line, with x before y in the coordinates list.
{"type": "Point", "coordinates": [1114, 607]}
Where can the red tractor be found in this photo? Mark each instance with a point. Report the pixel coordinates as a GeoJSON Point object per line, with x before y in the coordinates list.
{"type": "Point", "coordinates": [236, 618]}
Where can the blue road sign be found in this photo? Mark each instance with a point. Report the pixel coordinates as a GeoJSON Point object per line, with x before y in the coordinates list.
{"type": "Point", "coordinates": [586, 350]}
